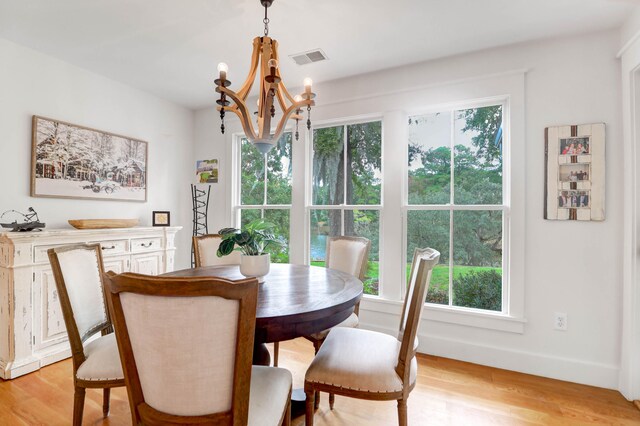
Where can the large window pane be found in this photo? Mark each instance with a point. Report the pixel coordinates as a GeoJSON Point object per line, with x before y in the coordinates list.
{"type": "Point", "coordinates": [431, 229]}
{"type": "Point", "coordinates": [279, 217]}
{"type": "Point", "coordinates": [478, 156]}
{"type": "Point", "coordinates": [364, 173]}
{"type": "Point", "coordinates": [249, 215]}
{"type": "Point", "coordinates": [429, 158]}
{"type": "Point", "coordinates": [324, 224]}
{"type": "Point", "coordinates": [477, 259]}
{"type": "Point", "coordinates": [366, 223]}
{"type": "Point", "coordinates": [328, 166]}
{"type": "Point", "coordinates": [252, 174]}
{"type": "Point", "coordinates": [279, 172]}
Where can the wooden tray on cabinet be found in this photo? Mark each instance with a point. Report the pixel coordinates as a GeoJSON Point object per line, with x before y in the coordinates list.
{"type": "Point", "coordinates": [102, 223]}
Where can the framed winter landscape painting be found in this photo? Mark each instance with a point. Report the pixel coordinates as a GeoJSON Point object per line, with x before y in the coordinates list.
{"type": "Point", "coordinates": [70, 161]}
{"type": "Point", "coordinates": [575, 172]}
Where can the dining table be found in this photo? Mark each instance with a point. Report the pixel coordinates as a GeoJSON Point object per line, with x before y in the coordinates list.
{"type": "Point", "coordinates": [293, 301]}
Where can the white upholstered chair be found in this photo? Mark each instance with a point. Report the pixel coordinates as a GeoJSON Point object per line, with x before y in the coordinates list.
{"type": "Point", "coordinates": [187, 346]}
{"type": "Point", "coordinates": [205, 249]}
{"type": "Point", "coordinates": [77, 270]}
{"type": "Point", "coordinates": [369, 365]}
{"type": "Point", "coordinates": [349, 255]}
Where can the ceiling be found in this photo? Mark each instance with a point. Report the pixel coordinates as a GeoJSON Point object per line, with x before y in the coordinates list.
{"type": "Point", "coordinates": [171, 47]}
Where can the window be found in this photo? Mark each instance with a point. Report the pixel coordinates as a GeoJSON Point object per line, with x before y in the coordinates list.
{"type": "Point", "coordinates": [459, 210]}
{"type": "Point", "coordinates": [265, 189]}
{"type": "Point", "coordinates": [346, 182]}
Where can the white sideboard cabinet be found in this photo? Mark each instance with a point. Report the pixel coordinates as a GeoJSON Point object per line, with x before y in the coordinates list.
{"type": "Point", "coordinates": [32, 329]}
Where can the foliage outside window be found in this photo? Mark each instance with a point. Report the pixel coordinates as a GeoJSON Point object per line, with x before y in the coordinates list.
{"type": "Point", "coordinates": [346, 190]}
{"type": "Point", "coordinates": [459, 211]}
{"type": "Point", "coordinates": [265, 190]}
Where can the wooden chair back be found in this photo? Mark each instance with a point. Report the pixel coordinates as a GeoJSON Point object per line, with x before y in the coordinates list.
{"type": "Point", "coordinates": [349, 255]}
{"type": "Point", "coordinates": [205, 249]}
{"type": "Point", "coordinates": [78, 273]}
{"type": "Point", "coordinates": [423, 263]}
{"type": "Point", "coordinates": [186, 346]}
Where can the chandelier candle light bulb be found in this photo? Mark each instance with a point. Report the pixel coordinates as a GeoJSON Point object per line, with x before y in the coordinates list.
{"type": "Point", "coordinates": [272, 93]}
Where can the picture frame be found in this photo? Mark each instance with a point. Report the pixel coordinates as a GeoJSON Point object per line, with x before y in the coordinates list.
{"type": "Point", "coordinates": [77, 162]}
{"type": "Point", "coordinates": [575, 172]}
{"type": "Point", "coordinates": [161, 218]}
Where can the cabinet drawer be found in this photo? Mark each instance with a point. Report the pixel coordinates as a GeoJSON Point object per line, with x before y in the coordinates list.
{"type": "Point", "coordinates": [40, 253]}
{"type": "Point", "coordinates": [146, 244]}
{"type": "Point", "coordinates": [110, 248]}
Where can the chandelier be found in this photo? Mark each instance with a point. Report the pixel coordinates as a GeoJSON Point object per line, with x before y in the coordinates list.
{"type": "Point", "coordinates": [272, 91]}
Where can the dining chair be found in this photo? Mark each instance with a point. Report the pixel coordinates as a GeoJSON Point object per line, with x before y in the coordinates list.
{"type": "Point", "coordinates": [77, 271]}
{"type": "Point", "coordinates": [369, 365]}
{"type": "Point", "coordinates": [205, 249]}
{"type": "Point", "coordinates": [345, 254]}
{"type": "Point", "coordinates": [349, 255]}
{"type": "Point", "coordinates": [187, 346]}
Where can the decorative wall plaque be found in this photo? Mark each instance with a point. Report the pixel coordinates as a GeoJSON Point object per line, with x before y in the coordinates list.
{"type": "Point", "coordinates": [574, 172]}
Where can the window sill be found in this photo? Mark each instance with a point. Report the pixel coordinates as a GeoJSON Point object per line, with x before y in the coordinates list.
{"type": "Point", "coordinates": [459, 316]}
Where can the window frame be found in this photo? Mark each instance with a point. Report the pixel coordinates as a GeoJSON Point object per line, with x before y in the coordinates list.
{"type": "Point", "coordinates": [505, 207]}
{"type": "Point", "coordinates": [236, 190]}
{"type": "Point", "coordinates": [309, 206]}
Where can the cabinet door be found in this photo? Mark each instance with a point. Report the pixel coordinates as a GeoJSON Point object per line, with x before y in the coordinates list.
{"type": "Point", "coordinates": [118, 264]}
{"type": "Point", "coordinates": [48, 323]}
{"type": "Point", "coordinates": [148, 264]}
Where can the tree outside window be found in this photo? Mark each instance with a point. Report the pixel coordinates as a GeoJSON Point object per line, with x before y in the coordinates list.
{"type": "Point", "coordinates": [346, 190]}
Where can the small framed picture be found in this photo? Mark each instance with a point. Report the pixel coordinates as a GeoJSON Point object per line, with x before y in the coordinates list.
{"type": "Point", "coordinates": [161, 218]}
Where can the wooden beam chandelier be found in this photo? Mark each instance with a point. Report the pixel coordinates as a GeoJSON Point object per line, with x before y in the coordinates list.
{"type": "Point", "coordinates": [272, 91]}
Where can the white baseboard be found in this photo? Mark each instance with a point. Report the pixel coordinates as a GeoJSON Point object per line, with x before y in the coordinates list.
{"type": "Point", "coordinates": [567, 369]}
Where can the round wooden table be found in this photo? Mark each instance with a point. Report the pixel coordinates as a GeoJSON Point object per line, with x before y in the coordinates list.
{"type": "Point", "coordinates": [294, 301]}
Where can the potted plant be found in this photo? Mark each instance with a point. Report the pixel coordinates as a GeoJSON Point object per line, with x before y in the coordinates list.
{"type": "Point", "coordinates": [252, 240]}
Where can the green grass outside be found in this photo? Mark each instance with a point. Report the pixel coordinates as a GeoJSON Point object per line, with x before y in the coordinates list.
{"type": "Point", "coordinates": [439, 276]}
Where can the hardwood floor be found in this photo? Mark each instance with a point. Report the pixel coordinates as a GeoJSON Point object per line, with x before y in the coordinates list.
{"type": "Point", "coordinates": [448, 393]}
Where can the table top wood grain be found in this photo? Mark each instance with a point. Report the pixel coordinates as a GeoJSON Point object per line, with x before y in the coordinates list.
{"type": "Point", "coordinates": [294, 300]}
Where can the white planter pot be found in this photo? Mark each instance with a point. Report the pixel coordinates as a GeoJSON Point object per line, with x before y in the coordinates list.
{"type": "Point", "coordinates": [255, 266]}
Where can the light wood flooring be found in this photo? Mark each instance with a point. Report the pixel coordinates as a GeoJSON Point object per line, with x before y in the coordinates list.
{"type": "Point", "coordinates": [448, 393]}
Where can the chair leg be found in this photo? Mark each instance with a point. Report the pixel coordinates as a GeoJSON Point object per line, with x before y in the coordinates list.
{"type": "Point", "coordinates": [276, 350]}
{"type": "Point", "coordinates": [106, 393]}
{"type": "Point", "coordinates": [316, 402]}
{"type": "Point", "coordinates": [402, 412]}
{"type": "Point", "coordinates": [287, 415]}
{"type": "Point", "coordinates": [332, 400]}
{"type": "Point", "coordinates": [78, 406]}
{"type": "Point", "coordinates": [308, 418]}
{"type": "Point", "coordinates": [316, 347]}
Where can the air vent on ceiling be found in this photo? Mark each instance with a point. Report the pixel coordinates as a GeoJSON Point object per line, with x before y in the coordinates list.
{"type": "Point", "coordinates": [315, 55]}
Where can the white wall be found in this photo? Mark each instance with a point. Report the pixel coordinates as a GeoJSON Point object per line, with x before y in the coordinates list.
{"type": "Point", "coordinates": [571, 267]}
{"type": "Point", "coordinates": [630, 73]}
{"type": "Point", "coordinates": [35, 84]}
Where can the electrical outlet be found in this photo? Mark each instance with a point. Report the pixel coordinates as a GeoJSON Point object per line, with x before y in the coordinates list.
{"type": "Point", "coordinates": [560, 321]}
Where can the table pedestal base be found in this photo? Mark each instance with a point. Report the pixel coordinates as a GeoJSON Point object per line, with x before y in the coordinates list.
{"type": "Point", "coordinates": [261, 354]}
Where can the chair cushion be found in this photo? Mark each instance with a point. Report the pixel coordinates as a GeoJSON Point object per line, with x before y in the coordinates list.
{"type": "Point", "coordinates": [102, 360]}
{"type": "Point", "coordinates": [269, 394]}
{"type": "Point", "coordinates": [356, 359]}
{"type": "Point", "coordinates": [351, 322]}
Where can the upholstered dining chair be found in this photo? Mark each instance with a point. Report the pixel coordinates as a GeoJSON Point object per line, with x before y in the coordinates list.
{"type": "Point", "coordinates": [205, 249]}
{"type": "Point", "coordinates": [349, 255]}
{"type": "Point", "coordinates": [368, 365]}
{"type": "Point", "coordinates": [78, 273]}
{"type": "Point", "coordinates": [187, 346]}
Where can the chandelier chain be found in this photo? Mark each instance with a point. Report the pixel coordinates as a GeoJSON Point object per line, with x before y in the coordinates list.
{"type": "Point", "coordinates": [266, 22]}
